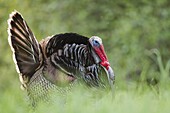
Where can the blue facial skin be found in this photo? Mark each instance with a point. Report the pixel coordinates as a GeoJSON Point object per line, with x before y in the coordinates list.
{"type": "Point", "coordinates": [96, 43]}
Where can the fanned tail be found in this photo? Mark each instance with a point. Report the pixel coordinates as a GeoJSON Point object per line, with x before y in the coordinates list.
{"type": "Point", "coordinates": [26, 50]}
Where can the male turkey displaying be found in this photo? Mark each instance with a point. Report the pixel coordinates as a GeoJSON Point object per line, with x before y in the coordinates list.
{"type": "Point", "coordinates": [41, 65]}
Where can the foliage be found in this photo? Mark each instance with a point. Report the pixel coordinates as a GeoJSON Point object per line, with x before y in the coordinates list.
{"type": "Point", "coordinates": [136, 38]}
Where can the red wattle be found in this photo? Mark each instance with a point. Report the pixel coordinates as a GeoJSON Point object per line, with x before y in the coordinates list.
{"type": "Point", "coordinates": [101, 53]}
{"type": "Point", "coordinates": [105, 64]}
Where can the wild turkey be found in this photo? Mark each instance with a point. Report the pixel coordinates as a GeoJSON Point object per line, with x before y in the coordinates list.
{"type": "Point", "coordinates": [40, 64]}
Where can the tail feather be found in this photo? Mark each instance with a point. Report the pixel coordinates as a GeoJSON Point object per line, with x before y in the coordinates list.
{"type": "Point", "coordinates": [26, 50]}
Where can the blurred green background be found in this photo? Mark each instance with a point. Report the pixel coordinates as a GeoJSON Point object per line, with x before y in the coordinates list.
{"type": "Point", "coordinates": [136, 36]}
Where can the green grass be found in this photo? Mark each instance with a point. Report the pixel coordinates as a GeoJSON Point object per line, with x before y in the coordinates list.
{"type": "Point", "coordinates": [82, 100]}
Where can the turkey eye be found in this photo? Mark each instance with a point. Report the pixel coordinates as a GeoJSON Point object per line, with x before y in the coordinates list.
{"type": "Point", "coordinates": [96, 43]}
